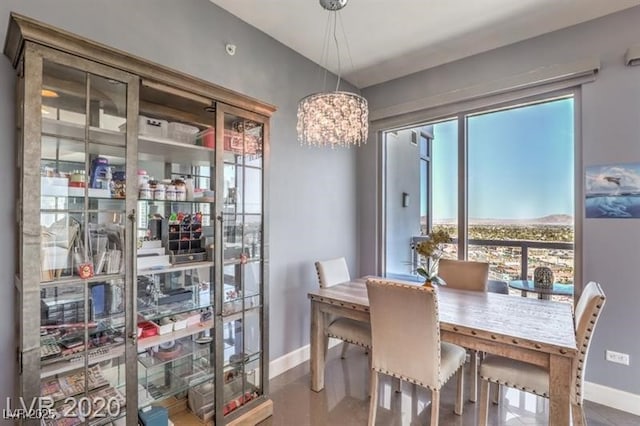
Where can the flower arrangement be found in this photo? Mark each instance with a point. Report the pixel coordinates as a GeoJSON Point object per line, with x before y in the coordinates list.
{"type": "Point", "coordinates": [430, 252]}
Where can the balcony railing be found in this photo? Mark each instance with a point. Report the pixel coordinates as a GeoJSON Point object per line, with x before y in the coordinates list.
{"type": "Point", "coordinates": [523, 245]}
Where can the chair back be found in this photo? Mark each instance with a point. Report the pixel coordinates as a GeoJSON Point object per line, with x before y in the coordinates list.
{"type": "Point", "coordinates": [464, 274]}
{"type": "Point", "coordinates": [405, 331]}
{"type": "Point", "coordinates": [586, 316]}
{"type": "Point", "coordinates": [332, 272]}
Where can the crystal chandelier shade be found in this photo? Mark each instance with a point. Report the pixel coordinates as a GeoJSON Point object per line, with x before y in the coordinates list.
{"type": "Point", "coordinates": [335, 119]}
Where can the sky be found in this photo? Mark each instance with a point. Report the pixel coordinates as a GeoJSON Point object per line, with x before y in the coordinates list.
{"type": "Point", "coordinates": [520, 163]}
{"type": "Point", "coordinates": [612, 179]}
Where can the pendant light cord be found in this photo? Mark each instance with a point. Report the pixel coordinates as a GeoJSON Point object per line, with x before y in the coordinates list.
{"type": "Point", "coordinates": [346, 42]}
{"type": "Point", "coordinates": [335, 39]}
{"type": "Point", "coordinates": [324, 57]}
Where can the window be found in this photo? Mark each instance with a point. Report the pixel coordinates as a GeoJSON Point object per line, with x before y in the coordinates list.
{"type": "Point", "coordinates": [501, 182]}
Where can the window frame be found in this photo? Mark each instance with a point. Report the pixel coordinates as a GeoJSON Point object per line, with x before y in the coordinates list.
{"type": "Point", "coordinates": [459, 112]}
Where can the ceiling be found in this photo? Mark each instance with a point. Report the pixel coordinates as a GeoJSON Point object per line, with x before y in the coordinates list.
{"type": "Point", "coordinates": [392, 38]}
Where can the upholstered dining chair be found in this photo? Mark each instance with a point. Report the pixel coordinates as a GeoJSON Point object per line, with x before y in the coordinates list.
{"type": "Point", "coordinates": [466, 275]}
{"type": "Point", "coordinates": [535, 379]}
{"type": "Point", "coordinates": [332, 272]}
{"type": "Point", "coordinates": [405, 331]}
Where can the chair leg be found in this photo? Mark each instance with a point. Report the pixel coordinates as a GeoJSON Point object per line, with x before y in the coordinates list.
{"type": "Point", "coordinates": [484, 402]}
{"type": "Point", "coordinates": [345, 345]}
{"type": "Point", "coordinates": [373, 404]}
{"type": "Point", "coordinates": [579, 418]}
{"type": "Point", "coordinates": [496, 392]}
{"type": "Point", "coordinates": [373, 373]}
{"type": "Point", "coordinates": [435, 407]}
{"type": "Point", "coordinates": [473, 395]}
{"type": "Point", "coordinates": [460, 393]}
{"type": "Point", "coordinates": [326, 345]}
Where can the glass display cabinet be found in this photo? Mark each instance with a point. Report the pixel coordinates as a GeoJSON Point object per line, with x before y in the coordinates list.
{"type": "Point", "coordinates": [142, 239]}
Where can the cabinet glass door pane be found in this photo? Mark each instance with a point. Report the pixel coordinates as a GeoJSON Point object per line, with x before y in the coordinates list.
{"type": "Point", "coordinates": [242, 310]}
{"type": "Point", "coordinates": [82, 256]}
{"type": "Point", "coordinates": [242, 358]}
{"type": "Point", "coordinates": [175, 255]}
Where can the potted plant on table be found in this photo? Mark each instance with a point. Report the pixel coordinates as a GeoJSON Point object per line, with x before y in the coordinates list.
{"type": "Point", "coordinates": [430, 252]}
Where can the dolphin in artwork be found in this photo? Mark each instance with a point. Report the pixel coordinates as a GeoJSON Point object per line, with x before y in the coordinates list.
{"type": "Point", "coordinates": [612, 179]}
{"type": "Point", "coordinates": [613, 207]}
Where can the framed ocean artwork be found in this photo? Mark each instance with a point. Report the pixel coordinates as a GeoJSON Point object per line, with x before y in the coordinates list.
{"type": "Point", "coordinates": [612, 191]}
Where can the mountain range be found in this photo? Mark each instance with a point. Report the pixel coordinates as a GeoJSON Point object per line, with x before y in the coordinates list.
{"type": "Point", "coordinates": [552, 219]}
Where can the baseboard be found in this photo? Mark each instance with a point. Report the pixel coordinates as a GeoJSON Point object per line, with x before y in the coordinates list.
{"type": "Point", "coordinates": [293, 359]}
{"type": "Point", "coordinates": [611, 397]}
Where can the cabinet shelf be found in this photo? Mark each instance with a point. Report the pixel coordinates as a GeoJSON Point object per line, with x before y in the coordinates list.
{"type": "Point", "coordinates": [158, 393]}
{"type": "Point", "coordinates": [64, 281]}
{"type": "Point", "coordinates": [228, 366]}
{"type": "Point", "coordinates": [238, 315]}
{"type": "Point", "coordinates": [77, 132]}
{"type": "Point", "coordinates": [153, 313]}
{"type": "Point", "coordinates": [187, 349]}
{"type": "Point", "coordinates": [76, 362]}
{"type": "Point", "coordinates": [165, 150]}
{"type": "Point", "coordinates": [175, 268]}
{"type": "Point", "coordinates": [148, 342]}
{"type": "Point", "coordinates": [172, 203]}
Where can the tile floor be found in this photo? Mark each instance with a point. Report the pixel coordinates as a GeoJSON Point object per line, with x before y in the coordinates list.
{"type": "Point", "coordinates": [344, 401]}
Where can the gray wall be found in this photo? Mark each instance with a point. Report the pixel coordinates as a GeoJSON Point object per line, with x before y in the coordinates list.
{"type": "Point", "coordinates": [610, 134]}
{"type": "Point", "coordinates": [312, 191]}
{"type": "Point", "coordinates": [403, 175]}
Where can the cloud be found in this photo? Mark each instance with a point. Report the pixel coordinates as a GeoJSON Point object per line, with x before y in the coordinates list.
{"type": "Point", "coordinates": [629, 178]}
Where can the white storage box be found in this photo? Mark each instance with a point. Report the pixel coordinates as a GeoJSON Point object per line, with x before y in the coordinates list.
{"type": "Point", "coordinates": [164, 328]}
{"type": "Point", "coordinates": [179, 322]}
{"type": "Point", "coordinates": [182, 132]}
{"type": "Point", "coordinates": [150, 127]}
{"type": "Point", "coordinates": [193, 318]}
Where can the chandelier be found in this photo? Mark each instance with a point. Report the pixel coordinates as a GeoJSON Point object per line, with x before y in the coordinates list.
{"type": "Point", "coordinates": [333, 118]}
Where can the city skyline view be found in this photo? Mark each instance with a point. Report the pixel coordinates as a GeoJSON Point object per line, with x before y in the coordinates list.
{"type": "Point", "coordinates": [520, 165]}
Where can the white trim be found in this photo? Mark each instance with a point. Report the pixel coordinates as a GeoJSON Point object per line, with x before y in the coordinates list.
{"type": "Point", "coordinates": [293, 359]}
{"type": "Point", "coordinates": [553, 77]}
{"type": "Point", "coordinates": [612, 397]}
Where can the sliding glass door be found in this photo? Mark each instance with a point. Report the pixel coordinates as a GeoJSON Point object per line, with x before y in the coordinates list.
{"type": "Point", "coordinates": [521, 189]}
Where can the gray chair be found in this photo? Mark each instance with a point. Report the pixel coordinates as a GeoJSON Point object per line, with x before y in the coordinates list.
{"type": "Point", "coordinates": [406, 342]}
{"type": "Point", "coordinates": [535, 379]}
{"type": "Point", "coordinates": [466, 275]}
{"type": "Point", "coordinates": [332, 272]}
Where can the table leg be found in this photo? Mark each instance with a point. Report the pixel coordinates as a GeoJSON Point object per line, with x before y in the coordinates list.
{"type": "Point", "coordinates": [523, 293]}
{"type": "Point", "coordinates": [559, 385]}
{"type": "Point", "coordinates": [317, 354]}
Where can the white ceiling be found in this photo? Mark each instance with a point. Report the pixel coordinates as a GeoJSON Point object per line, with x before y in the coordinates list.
{"type": "Point", "coordinates": [392, 38]}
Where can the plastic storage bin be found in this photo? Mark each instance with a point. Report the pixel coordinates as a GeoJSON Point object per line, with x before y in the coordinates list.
{"type": "Point", "coordinates": [154, 416]}
{"type": "Point", "coordinates": [201, 400]}
{"type": "Point", "coordinates": [182, 132]}
{"type": "Point", "coordinates": [207, 138]}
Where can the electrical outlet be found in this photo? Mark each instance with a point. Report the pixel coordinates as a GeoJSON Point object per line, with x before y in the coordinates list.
{"type": "Point", "coordinates": [617, 357]}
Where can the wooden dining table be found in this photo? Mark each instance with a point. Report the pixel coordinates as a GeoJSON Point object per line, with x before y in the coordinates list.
{"type": "Point", "coordinates": [539, 332]}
